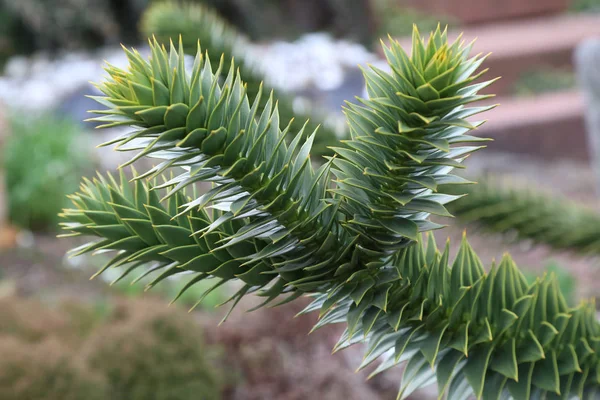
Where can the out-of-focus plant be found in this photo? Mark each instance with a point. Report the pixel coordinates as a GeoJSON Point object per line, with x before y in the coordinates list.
{"type": "Point", "coordinates": [45, 371]}
{"type": "Point", "coordinates": [267, 19]}
{"type": "Point", "coordinates": [396, 20]}
{"type": "Point", "coordinates": [153, 353]}
{"type": "Point", "coordinates": [585, 6]}
{"type": "Point", "coordinates": [545, 80]}
{"type": "Point", "coordinates": [11, 28]}
{"type": "Point", "coordinates": [134, 350]}
{"type": "Point", "coordinates": [43, 160]}
{"type": "Point", "coordinates": [49, 25]}
{"type": "Point", "coordinates": [29, 321]}
{"type": "Point", "coordinates": [39, 359]}
{"type": "Point", "coordinates": [63, 23]}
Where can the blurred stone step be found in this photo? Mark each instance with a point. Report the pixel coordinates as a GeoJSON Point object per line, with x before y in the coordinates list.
{"type": "Point", "coordinates": [478, 11]}
{"type": "Point", "coordinates": [521, 46]}
{"type": "Point", "coordinates": [549, 126]}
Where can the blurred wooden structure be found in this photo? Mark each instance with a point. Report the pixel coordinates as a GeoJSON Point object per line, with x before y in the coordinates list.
{"type": "Point", "coordinates": [481, 11]}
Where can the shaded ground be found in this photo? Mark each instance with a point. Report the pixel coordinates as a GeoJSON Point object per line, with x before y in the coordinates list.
{"type": "Point", "coordinates": [39, 270]}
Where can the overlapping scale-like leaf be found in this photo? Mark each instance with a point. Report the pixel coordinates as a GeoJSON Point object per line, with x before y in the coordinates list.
{"type": "Point", "coordinates": [147, 237]}
{"type": "Point", "coordinates": [522, 213]}
{"type": "Point", "coordinates": [489, 335]}
{"type": "Point", "coordinates": [406, 139]}
{"type": "Point", "coordinates": [168, 20]}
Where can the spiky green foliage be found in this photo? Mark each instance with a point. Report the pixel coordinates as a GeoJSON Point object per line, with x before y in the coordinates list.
{"type": "Point", "coordinates": [281, 227]}
{"type": "Point", "coordinates": [151, 236]}
{"type": "Point", "coordinates": [168, 20]}
{"type": "Point", "coordinates": [407, 137]}
{"type": "Point", "coordinates": [43, 161]}
{"type": "Point", "coordinates": [523, 213]}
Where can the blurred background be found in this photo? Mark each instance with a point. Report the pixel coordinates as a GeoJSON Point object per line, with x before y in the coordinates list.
{"type": "Point", "coordinates": [63, 336]}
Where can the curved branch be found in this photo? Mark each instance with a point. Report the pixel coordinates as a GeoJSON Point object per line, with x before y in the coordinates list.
{"type": "Point", "coordinates": [490, 335]}
{"type": "Point", "coordinates": [210, 128]}
{"type": "Point", "coordinates": [559, 223]}
{"type": "Point", "coordinates": [149, 235]}
{"type": "Point", "coordinates": [279, 228]}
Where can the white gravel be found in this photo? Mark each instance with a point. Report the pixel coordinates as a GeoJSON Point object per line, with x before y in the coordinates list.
{"type": "Point", "coordinates": [316, 66]}
{"type": "Point", "coordinates": [41, 82]}
{"type": "Point", "coordinates": [315, 60]}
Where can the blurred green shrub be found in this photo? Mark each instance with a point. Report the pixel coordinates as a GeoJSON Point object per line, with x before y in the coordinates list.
{"type": "Point", "coordinates": [68, 321]}
{"type": "Point", "coordinates": [397, 21]}
{"type": "Point", "coordinates": [544, 80]}
{"type": "Point", "coordinates": [147, 354]}
{"type": "Point", "coordinates": [139, 350]}
{"type": "Point", "coordinates": [51, 24]}
{"type": "Point", "coordinates": [566, 279]}
{"type": "Point", "coordinates": [43, 163]}
{"type": "Point", "coordinates": [45, 371]}
{"type": "Point", "coordinates": [12, 28]}
{"type": "Point", "coordinates": [585, 6]}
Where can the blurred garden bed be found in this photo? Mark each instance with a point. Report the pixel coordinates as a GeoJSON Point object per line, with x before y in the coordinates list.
{"type": "Point", "coordinates": [266, 354]}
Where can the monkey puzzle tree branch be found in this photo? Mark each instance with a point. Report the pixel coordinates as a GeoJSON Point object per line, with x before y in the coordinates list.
{"type": "Point", "coordinates": [280, 226]}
